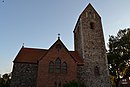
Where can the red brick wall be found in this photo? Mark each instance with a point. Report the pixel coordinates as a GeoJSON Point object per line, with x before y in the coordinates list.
{"type": "Point", "coordinates": [46, 79]}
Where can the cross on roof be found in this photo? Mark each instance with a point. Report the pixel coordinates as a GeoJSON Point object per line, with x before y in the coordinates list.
{"type": "Point", "coordinates": [58, 36]}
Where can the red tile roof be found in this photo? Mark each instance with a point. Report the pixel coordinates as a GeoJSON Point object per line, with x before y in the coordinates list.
{"type": "Point", "coordinates": [29, 55]}
{"type": "Point", "coordinates": [32, 55]}
{"type": "Point", "coordinates": [77, 57]}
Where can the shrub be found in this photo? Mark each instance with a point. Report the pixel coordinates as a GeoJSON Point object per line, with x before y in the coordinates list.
{"type": "Point", "coordinates": [74, 84]}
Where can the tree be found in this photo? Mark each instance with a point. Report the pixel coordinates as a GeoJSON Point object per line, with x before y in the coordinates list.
{"type": "Point", "coordinates": [5, 80]}
{"type": "Point", "coordinates": [119, 55]}
{"type": "Point", "coordinates": [74, 84]}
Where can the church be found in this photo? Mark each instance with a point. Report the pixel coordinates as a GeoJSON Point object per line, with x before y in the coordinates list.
{"type": "Point", "coordinates": [55, 66]}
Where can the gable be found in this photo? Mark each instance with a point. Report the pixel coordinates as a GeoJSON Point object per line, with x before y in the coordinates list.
{"type": "Point", "coordinates": [90, 9]}
{"type": "Point", "coordinates": [33, 55]}
{"type": "Point", "coordinates": [58, 49]}
{"type": "Point", "coordinates": [86, 13]}
{"type": "Point", "coordinates": [51, 65]}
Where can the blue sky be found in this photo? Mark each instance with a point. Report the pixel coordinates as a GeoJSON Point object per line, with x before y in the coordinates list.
{"type": "Point", "coordinates": [36, 23]}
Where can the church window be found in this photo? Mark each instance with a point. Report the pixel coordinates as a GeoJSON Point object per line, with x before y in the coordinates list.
{"type": "Point", "coordinates": [94, 16]}
{"type": "Point", "coordinates": [96, 71]}
{"type": "Point", "coordinates": [51, 67]}
{"type": "Point", "coordinates": [55, 84]}
{"type": "Point", "coordinates": [86, 14]}
{"type": "Point", "coordinates": [64, 67]}
{"type": "Point", "coordinates": [90, 14]}
{"type": "Point", "coordinates": [91, 25]}
{"type": "Point", "coordinates": [57, 65]}
{"type": "Point", "coordinates": [59, 84]}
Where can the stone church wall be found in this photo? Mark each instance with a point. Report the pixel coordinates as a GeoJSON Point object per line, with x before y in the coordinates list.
{"type": "Point", "coordinates": [80, 72]}
{"type": "Point", "coordinates": [91, 47]}
{"type": "Point", "coordinates": [24, 75]}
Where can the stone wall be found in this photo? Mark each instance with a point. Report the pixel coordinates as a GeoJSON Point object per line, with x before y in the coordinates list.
{"type": "Point", "coordinates": [24, 75]}
{"type": "Point", "coordinates": [80, 72]}
{"type": "Point", "coordinates": [90, 45]}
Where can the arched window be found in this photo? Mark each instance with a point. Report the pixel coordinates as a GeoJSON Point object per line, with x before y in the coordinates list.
{"type": "Point", "coordinates": [96, 71]}
{"type": "Point", "coordinates": [92, 25]}
{"type": "Point", "coordinates": [90, 14]}
{"type": "Point", "coordinates": [55, 84]}
{"type": "Point", "coordinates": [86, 14]}
{"type": "Point", "coordinates": [59, 84]}
{"type": "Point", "coordinates": [51, 67]}
{"type": "Point", "coordinates": [64, 67]}
{"type": "Point", "coordinates": [57, 65]}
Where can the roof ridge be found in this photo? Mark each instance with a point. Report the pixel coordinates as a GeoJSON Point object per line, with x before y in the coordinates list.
{"type": "Point", "coordinates": [34, 48]}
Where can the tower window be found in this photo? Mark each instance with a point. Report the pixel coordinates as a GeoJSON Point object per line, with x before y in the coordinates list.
{"type": "Point", "coordinates": [91, 25]}
{"type": "Point", "coordinates": [86, 14]}
{"type": "Point", "coordinates": [96, 71]}
{"type": "Point", "coordinates": [51, 67]}
{"type": "Point", "coordinates": [90, 14]}
{"type": "Point", "coordinates": [55, 84]}
{"type": "Point", "coordinates": [59, 84]}
{"type": "Point", "coordinates": [94, 16]}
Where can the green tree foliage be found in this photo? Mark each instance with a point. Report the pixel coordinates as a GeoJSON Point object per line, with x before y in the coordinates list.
{"type": "Point", "coordinates": [74, 84]}
{"type": "Point", "coordinates": [5, 80]}
{"type": "Point", "coordinates": [119, 55]}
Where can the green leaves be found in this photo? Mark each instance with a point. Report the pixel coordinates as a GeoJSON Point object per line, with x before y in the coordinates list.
{"type": "Point", "coordinates": [5, 80]}
{"type": "Point", "coordinates": [119, 54]}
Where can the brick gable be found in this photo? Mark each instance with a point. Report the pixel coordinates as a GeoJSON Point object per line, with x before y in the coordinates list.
{"type": "Point", "coordinates": [57, 50]}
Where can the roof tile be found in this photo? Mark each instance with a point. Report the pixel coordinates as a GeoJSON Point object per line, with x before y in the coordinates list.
{"type": "Point", "coordinates": [32, 55]}
{"type": "Point", "coordinates": [29, 55]}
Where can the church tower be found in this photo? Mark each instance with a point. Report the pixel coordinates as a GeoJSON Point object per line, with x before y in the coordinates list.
{"type": "Point", "coordinates": [89, 43]}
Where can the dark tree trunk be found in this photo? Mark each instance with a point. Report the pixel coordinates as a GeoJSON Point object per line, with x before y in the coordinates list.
{"type": "Point", "coordinates": [117, 82]}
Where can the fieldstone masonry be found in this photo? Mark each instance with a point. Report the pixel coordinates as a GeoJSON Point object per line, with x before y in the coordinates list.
{"type": "Point", "coordinates": [24, 75]}
{"type": "Point", "coordinates": [89, 42]}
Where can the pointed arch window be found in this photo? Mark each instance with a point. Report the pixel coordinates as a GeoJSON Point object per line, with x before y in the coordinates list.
{"type": "Point", "coordinates": [51, 67]}
{"type": "Point", "coordinates": [64, 67]}
{"type": "Point", "coordinates": [92, 25]}
{"type": "Point", "coordinates": [96, 71]}
{"type": "Point", "coordinates": [59, 84]}
{"type": "Point", "coordinates": [55, 84]}
{"type": "Point", "coordinates": [57, 65]}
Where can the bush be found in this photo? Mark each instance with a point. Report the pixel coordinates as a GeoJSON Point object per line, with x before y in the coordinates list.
{"type": "Point", "coordinates": [74, 84]}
